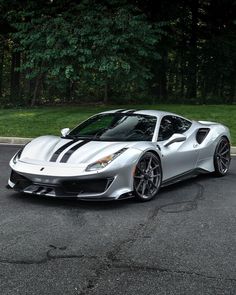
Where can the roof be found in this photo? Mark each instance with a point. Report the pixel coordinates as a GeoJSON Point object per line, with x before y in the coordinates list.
{"type": "Point", "coordinates": [155, 113]}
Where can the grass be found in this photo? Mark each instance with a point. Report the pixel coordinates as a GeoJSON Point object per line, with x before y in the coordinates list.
{"type": "Point", "coordinates": [50, 120]}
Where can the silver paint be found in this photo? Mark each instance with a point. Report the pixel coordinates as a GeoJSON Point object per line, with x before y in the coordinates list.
{"type": "Point", "coordinates": [176, 158]}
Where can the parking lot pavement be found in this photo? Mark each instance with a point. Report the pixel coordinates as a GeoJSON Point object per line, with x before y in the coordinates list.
{"type": "Point", "coordinates": [183, 242]}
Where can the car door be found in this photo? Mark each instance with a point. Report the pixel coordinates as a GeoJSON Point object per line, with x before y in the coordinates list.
{"type": "Point", "coordinates": [178, 157]}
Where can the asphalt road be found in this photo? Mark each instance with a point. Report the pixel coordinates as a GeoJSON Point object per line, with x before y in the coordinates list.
{"type": "Point", "coordinates": [183, 242]}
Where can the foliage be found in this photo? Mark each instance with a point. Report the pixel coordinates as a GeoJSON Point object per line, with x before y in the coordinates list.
{"type": "Point", "coordinates": [92, 44]}
{"type": "Point", "coordinates": [117, 50]}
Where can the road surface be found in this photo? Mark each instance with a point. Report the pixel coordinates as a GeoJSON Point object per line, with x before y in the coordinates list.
{"type": "Point", "coordinates": [183, 242]}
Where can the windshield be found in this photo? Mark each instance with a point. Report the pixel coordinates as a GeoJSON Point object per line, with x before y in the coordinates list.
{"type": "Point", "coordinates": [116, 127]}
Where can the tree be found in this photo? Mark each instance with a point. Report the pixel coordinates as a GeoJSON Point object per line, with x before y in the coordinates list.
{"type": "Point", "coordinates": [90, 43]}
{"type": "Point", "coordinates": [112, 50]}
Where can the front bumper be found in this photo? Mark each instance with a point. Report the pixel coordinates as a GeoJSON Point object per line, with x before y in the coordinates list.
{"type": "Point", "coordinates": [90, 187]}
{"type": "Point", "coordinates": [113, 182]}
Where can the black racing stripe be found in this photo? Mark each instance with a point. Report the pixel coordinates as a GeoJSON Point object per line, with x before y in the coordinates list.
{"type": "Point", "coordinates": [60, 150]}
{"type": "Point", "coordinates": [67, 155]}
{"type": "Point", "coordinates": [120, 111]}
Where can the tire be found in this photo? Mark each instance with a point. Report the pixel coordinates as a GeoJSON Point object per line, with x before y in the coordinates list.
{"type": "Point", "coordinates": [147, 177]}
{"type": "Point", "coordinates": [222, 157]}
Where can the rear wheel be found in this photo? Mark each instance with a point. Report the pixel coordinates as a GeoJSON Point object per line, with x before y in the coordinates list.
{"type": "Point", "coordinates": [147, 177]}
{"type": "Point", "coordinates": [222, 157]}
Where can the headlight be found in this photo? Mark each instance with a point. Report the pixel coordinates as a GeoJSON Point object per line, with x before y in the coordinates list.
{"type": "Point", "coordinates": [17, 156]}
{"type": "Point", "coordinates": [102, 163]}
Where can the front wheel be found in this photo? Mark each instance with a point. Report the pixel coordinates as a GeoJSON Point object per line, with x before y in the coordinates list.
{"type": "Point", "coordinates": [147, 177]}
{"type": "Point", "coordinates": [222, 157]}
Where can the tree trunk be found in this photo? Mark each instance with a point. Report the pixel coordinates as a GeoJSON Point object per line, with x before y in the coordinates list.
{"type": "Point", "coordinates": [203, 90]}
{"type": "Point", "coordinates": [68, 95]}
{"type": "Point", "coordinates": [105, 99]}
{"type": "Point", "coordinates": [192, 66]}
{"type": "Point", "coordinates": [222, 97]}
{"type": "Point", "coordinates": [15, 76]}
{"type": "Point", "coordinates": [232, 95]}
{"type": "Point", "coordinates": [182, 69]}
{"type": "Point", "coordinates": [171, 81]}
{"type": "Point", "coordinates": [1, 63]}
{"type": "Point", "coordinates": [37, 89]}
{"type": "Point", "coordinates": [163, 76]}
{"type": "Point", "coordinates": [160, 69]}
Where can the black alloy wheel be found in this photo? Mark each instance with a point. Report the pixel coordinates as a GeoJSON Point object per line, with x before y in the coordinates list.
{"type": "Point", "coordinates": [222, 157]}
{"type": "Point", "coordinates": [147, 177]}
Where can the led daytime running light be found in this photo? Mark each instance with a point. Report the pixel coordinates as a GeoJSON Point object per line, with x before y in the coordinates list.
{"type": "Point", "coordinates": [103, 162]}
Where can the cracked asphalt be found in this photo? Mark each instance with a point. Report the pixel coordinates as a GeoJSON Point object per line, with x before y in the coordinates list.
{"type": "Point", "coordinates": [183, 242]}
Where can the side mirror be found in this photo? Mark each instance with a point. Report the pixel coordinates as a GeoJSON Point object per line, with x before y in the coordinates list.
{"type": "Point", "coordinates": [65, 131]}
{"type": "Point", "coordinates": [176, 137]}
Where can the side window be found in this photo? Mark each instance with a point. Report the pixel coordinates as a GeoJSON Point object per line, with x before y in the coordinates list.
{"type": "Point", "coordinates": [181, 125]}
{"type": "Point", "coordinates": [166, 129]}
{"type": "Point", "coordinates": [172, 124]}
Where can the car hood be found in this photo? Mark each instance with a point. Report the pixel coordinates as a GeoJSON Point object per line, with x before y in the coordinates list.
{"type": "Point", "coordinates": [54, 150]}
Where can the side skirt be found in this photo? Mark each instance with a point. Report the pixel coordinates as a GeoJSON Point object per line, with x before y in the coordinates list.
{"type": "Point", "coordinates": [184, 176]}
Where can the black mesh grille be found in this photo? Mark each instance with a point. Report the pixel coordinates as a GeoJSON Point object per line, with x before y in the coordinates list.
{"type": "Point", "coordinates": [20, 181]}
{"type": "Point", "coordinates": [70, 187]}
{"type": "Point", "coordinates": [86, 186]}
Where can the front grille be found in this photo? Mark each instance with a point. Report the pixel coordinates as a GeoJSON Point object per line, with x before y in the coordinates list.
{"type": "Point", "coordinates": [64, 187]}
{"type": "Point", "coordinates": [86, 186]}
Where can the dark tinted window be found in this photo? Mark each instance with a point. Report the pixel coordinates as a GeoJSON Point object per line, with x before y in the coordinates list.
{"type": "Point", "coordinates": [117, 127]}
{"type": "Point", "coordinates": [172, 124]}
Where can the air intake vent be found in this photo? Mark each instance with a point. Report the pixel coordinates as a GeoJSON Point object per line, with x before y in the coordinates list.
{"type": "Point", "coordinates": [20, 181]}
{"type": "Point", "coordinates": [86, 186]}
{"type": "Point", "coordinates": [201, 134]}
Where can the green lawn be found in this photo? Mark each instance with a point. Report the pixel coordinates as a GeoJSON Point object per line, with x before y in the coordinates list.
{"type": "Point", "coordinates": [49, 120]}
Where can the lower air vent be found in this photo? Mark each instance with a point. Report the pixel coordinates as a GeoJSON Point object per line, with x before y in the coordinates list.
{"type": "Point", "coordinates": [201, 134]}
{"type": "Point", "coordinates": [20, 181]}
{"type": "Point", "coordinates": [87, 186]}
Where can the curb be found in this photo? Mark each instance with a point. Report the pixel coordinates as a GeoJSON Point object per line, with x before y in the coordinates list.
{"type": "Point", "coordinates": [21, 141]}
{"type": "Point", "coordinates": [233, 150]}
{"type": "Point", "coordinates": [14, 140]}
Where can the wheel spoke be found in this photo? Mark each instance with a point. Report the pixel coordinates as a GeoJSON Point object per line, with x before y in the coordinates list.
{"type": "Point", "coordinates": [226, 161]}
{"type": "Point", "coordinates": [223, 164]}
{"type": "Point", "coordinates": [152, 183]}
{"type": "Point", "coordinates": [225, 152]}
{"type": "Point", "coordinates": [155, 167]}
{"type": "Point", "coordinates": [149, 164]}
{"type": "Point", "coordinates": [144, 188]}
{"type": "Point", "coordinates": [224, 158]}
{"type": "Point", "coordinates": [139, 185]}
{"type": "Point", "coordinates": [221, 167]}
{"type": "Point", "coordinates": [149, 189]}
{"type": "Point", "coordinates": [225, 145]}
{"type": "Point", "coordinates": [156, 175]}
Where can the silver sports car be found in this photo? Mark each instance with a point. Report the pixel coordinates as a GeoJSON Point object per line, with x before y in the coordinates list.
{"type": "Point", "coordinates": [119, 154]}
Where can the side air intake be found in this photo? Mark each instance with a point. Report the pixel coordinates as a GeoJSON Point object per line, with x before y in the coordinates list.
{"type": "Point", "coordinates": [201, 134]}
